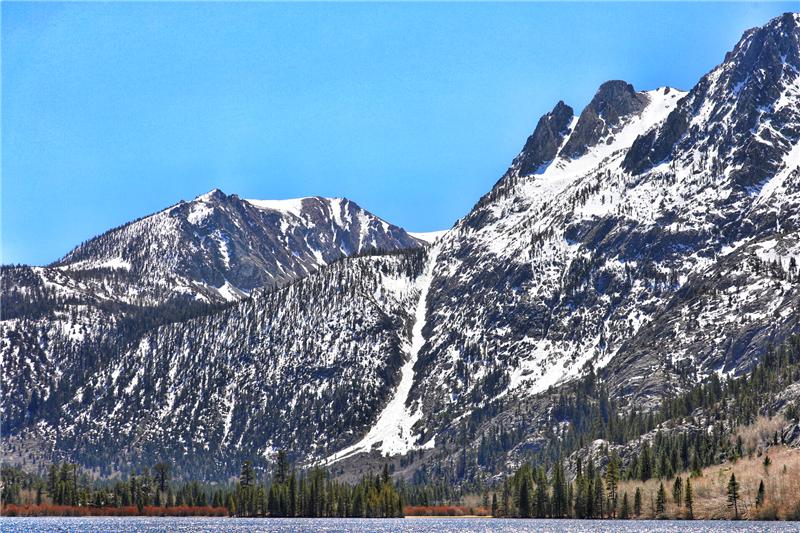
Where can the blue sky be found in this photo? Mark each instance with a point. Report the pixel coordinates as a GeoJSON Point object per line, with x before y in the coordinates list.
{"type": "Point", "coordinates": [111, 111]}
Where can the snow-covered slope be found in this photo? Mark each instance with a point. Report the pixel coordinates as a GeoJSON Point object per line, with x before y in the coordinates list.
{"type": "Point", "coordinates": [579, 259]}
{"type": "Point", "coordinates": [582, 257]}
{"type": "Point", "coordinates": [392, 433]}
{"type": "Point", "coordinates": [510, 311]}
{"type": "Point", "coordinates": [428, 236]}
{"type": "Point", "coordinates": [300, 368]}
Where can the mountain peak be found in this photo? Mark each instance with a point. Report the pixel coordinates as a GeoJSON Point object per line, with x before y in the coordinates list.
{"type": "Point", "coordinates": [212, 195]}
{"type": "Point", "coordinates": [724, 115]}
{"type": "Point", "coordinates": [220, 247]}
{"type": "Point", "coordinates": [771, 47]}
{"type": "Point", "coordinates": [613, 101]}
{"type": "Point", "coordinates": [542, 146]}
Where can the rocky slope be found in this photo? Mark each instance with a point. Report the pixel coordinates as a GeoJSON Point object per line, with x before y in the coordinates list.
{"type": "Point", "coordinates": [578, 261]}
{"type": "Point", "coordinates": [303, 367]}
{"type": "Point", "coordinates": [667, 251]}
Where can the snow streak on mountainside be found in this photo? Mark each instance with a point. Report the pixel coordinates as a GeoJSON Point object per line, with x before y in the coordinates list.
{"type": "Point", "coordinates": [393, 431]}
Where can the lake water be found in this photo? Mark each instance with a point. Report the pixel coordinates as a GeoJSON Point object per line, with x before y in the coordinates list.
{"type": "Point", "coordinates": [409, 525]}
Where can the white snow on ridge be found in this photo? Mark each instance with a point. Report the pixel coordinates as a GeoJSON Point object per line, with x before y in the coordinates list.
{"type": "Point", "coordinates": [551, 193]}
{"type": "Point", "coordinates": [293, 206]}
{"type": "Point", "coordinates": [775, 186]}
{"type": "Point", "coordinates": [113, 263]}
{"type": "Point", "coordinates": [230, 292]}
{"type": "Point", "coordinates": [337, 206]}
{"type": "Point", "coordinates": [392, 432]}
{"type": "Point", "coordinates": [200, 211]}
{"type": "Point", "coordinates": [543, 190]}
{"type": "Point", "coordinates": [428, 236]}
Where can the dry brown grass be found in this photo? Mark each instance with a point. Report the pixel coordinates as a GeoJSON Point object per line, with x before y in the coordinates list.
{"type": "Point", "coordinates": [762, 431]}
{"type": "Point", "coordinates": [781, 483]}
{"type": "Point", "coordinates": [444, 510]}
{"type": "Point", "coordinates": [70, 510]}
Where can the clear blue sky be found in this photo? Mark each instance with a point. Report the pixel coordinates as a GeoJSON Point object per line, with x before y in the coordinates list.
{"type": "Point", "coordinates": [111, 111]}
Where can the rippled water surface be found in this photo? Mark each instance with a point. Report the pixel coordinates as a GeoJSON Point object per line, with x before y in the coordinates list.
{"type": "Point", "coordinates": [409, 525]}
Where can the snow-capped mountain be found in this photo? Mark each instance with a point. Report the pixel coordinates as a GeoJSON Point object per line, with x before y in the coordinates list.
{"type": "Point", "coordinates": [653, 238]}
{"type": "Point", "coordinates": [220, 247]}
{"type": "Point", "coordinates": [526, 291]}
{"type": "Point", "coordinates": [660, 268]}
{"type": "Point", "coordinates": [62, 322]}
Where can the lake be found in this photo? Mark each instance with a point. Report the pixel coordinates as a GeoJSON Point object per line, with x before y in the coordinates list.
{"type": "Point", "coordinates": [409, 525]}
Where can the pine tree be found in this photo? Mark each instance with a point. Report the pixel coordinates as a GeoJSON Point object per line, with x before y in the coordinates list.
{"type": "Point", "coordinates": [760, 495]}
{"type": "Point", "coordinates": [581, 509]}
{"type": "Point", "coordinates": [506, 499]}
{"type": "Point", "coordinates": [677, 491]}
{"type": "Point", "coordinates": [281, 467]}
{"type": "Point", "coordinates": [162, 475]}
{"type": "Point", "coordinates": [294, 496]}
{"type": "Point", "coordinates": [612, 478]}
{"type": "Point", "coordinates": [494, 504]}
{"type": "Point", "coordinates": [625, 511]}
{"type": "Point", "coordinates": [733, 495]}
{"type": "Point", "coordinates": [525, 498]}
{"type": "Point", "coordinates": [570, 499]}
{"type": "Point", "coordinates": [231, 505]}
{"type": "Point", "coordinates": [597, 499]}
{"type": "Point", "coordinates": [52, 482]}
{"type": "Point", "coordinates": [645, 463]}
{"type": "Point", "coordinates": [689, 500]}
{"type": "Point", "coordinates": [542, 502]}
{"type": "Point", "coordinates": [559, 500]}
{"type": "Point", "coordinates": [590, 488]}
{"type": "Point", "coordinates": [661, 501]}
{"type": "Point", "coordinates": [247, 477]}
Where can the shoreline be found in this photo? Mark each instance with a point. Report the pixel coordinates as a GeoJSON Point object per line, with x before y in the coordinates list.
{"type": "Point", "coordinates": [438, 517]}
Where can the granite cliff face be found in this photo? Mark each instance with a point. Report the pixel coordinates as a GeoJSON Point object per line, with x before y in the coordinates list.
{"type": "Point", "coordinates": [602, 118]}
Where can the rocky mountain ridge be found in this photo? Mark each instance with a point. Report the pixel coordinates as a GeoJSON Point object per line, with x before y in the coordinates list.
{"type": "Point", "coordinates": [219, 247]}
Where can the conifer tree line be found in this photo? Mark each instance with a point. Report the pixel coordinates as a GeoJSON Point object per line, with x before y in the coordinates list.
{"type": "Point", "coordinates": [314, 494]}
{"type": "Point", "coordinates": [290, 493]}
{"type": "Point", "coordinates": [531, 492]}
